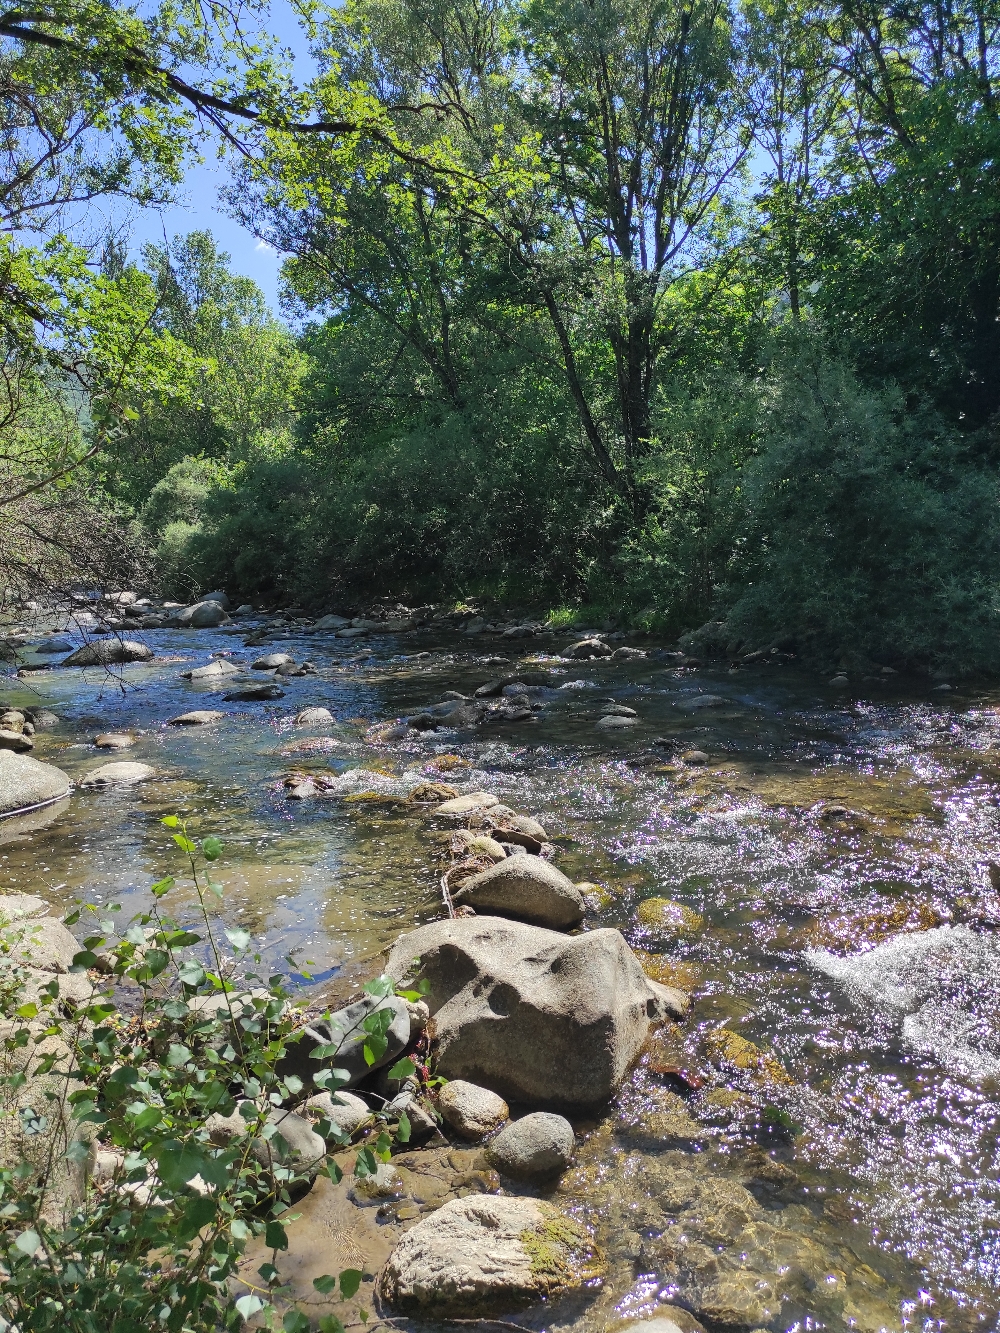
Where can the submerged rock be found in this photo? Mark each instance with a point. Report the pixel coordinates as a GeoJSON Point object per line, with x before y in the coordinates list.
{"type": "Point", "coordinates": [26, 783]}
{"type": "Point", "coordinates": [200, 717]}
{"type": "Point", "coordinates": [729, 1050]}
{"type": "Point", "coordinates": [482, 1255]}
{"type": "Point", "coordinates": [118, 775]}
{"type": "Point", "coordinates": [535, 1147]}
{"type": "Point", "coordinates": [254, 693]}
{"type": "Point", "coordinates": [539, 1017]}
{"type": "Point", "coordinates": [107, 652]}
{"type": "Point", "coordinates": [527, 889]}
{"type": "Point", "coordinates": [665, 919]}
{"type": "Point", "coordinates": [271, 662]}
{"type": "Point", "coordinates": [114, 740]}
{"type": "Point", "coordinates": [217, 670]}
{"type": "Point", "coordinates": [461, 806]}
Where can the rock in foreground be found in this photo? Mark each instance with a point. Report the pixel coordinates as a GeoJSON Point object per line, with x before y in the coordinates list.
{"type": "Point", "coordinates": [471, 1111]}
{"type": "Point", "coordinates": [26, 783]}
{"type": "Point", "coordinates": [118, 775]}
{"type": "Point", "coordinates": [527, 889]}
{"type": "Point", "coordinates": [535, 1147]}
{"type": "Point", "coordinates": [483, 1256]}
{"type": "Point", "coordinates": [539, 1017]}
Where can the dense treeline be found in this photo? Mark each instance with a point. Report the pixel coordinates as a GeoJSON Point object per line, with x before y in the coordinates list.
{"type": "Point", "coordinates": [678, 310]}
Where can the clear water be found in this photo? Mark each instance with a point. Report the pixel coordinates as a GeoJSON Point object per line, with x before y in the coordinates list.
{"type": "Point", "coordinates": [827, 827]}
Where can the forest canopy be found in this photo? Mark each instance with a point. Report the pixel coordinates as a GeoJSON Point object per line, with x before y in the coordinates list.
{"type": "Point", "coordinates": [675, 312]}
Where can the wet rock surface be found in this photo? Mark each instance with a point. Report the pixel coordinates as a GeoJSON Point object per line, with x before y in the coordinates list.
{"type": "Point", "coordinates": [536, 1147]}
{"type": "Point", "coordinates": [527, 889]}
{"type": "Point", "coordinates": [26, 782]}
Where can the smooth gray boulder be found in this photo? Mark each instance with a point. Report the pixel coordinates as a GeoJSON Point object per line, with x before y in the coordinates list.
{"type": "Point", "coordinates": [470, 1110]}
{"type": "Point", "coordinates": [331, 622]}
{"type": "Point", "coordinates": [536, 1147]}
{"type": "Point", "coordinates": [586, 649]}
{"type": "Point", "coordinates": [25, 783]}
{"type": "Point", "coordinates": [219, 597]}
{"type": "Point", "coordinates": [527, 889]}
{"type": "Point", "coordinates": [481, 1256]}
{"type": "Point", "coordinates": [198, 717]}
{"type": "Point", "coordinates": [108, 652]}
{"type": "Point", "coordinates": [217, 670]}
{"type": "Point", "coordinates": [49, 647]}
{"type": "Point", "coordinates": [539, 1017]}
{"type": "Point", "coordinates": [124, 774]}
{"type": "Point", "coordinates": [203, 615]}
{"type": "Point", "coordinates": [615, 722]}
{"type": "Point", "coordinates": [301, 1147]}
{"type": "Point", "coordinates": [114, 740]}
{"type": "Point", "coordinates": [344, 1031]}
{"type": "Point", "coordinates": [313, 717]}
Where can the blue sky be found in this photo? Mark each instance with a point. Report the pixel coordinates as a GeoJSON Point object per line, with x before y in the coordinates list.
{"type": "Point", "coordinates": [198, 205]}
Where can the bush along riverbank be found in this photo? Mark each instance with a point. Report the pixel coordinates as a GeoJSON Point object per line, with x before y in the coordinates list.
{"type": "Point", "coordinates": [187, 1148]}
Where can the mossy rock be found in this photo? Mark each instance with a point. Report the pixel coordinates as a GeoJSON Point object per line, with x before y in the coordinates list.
{"type": "Point", "coordinates": [433, 792]}
{"type": "Point", "coordinates": [669, 971]}
{"type": "Point", "coordinates": [851, 934]}
{"type": "Point", "coordinates": [667, 919]}
{"type": "Point", "coordinates": [728, 1050]}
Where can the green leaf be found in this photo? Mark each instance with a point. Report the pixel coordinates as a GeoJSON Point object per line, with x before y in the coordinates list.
{"type": "Point", "coordinates": [404, 1068]}
{"type": "Point", "coordinates": [170, 821]}
{"type": "Point", "coordinates": [239, 1230]}
{"type": "Point", "coordinates": [275, 1237]}
{"type": "Point", "coordinates": [249, 1305]}
{"type": "Point", "coordinates": [239, 939]}
{"type": "Point", "coordinates": [380, 986]}
{"type": "Point", "coordinates": [325, 1284]}
{"type": "Point", "coordinates": [211, 849]}
{"type": "Point", "coordinates": [198, 1213]}
{"type": "Point", "coordinates": [350, 1281]}
{"type": "Point", "coordinates": [191, 973]}
{"type": "Point", "coordinates": [374, 1048]}
{"type": "Point", "coordinates": [329, 1323]}
{"type": "Point", "coordinates": [295, 1322]}
{"type": "Point", "coordinates": [403, 1129]}
{"type": "Point", "coordinates": [27, 1010]}
{"type": "Point", "coordinates": [178, 1162]}
{"type": "Point", "coordinates": [162, 886]}
{"type": "Point", "coordinates": [177, 1055]}
{"type": "Point", "coordinates": [185, 844]}
{"type": "Point", "coordinates": [28, 1242]}
{"type": "Point", "coordinates": [148, 1118]}
{"type": "Point", "coordinates": [366, 1164]}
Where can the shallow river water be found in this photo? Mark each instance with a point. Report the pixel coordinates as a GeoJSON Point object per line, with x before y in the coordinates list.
{"type": "Point", "coordinates": [835, 846]}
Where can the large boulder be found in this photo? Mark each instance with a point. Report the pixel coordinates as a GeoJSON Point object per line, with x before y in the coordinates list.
{"type": "Point", "coordinates": [586, 649]}
{"type": "Point", "coordinates": [539, 1017]}
{"type": "Point", "coordinates": [108, 652]}
{"type": "Point", "coordinates": [212, 672]}
{"type": "Point", "coordinates": [528, 889]}
{"type": "Point", "coordinates": [202, 615]}
{"type": "Point", "coordinates": [483, 1256]}
{"type": "Point", "coordinates": [219, 597]}
{"type": "Point", "coordinates": [26, 783]}
{"type": "Point", "coordinates": [15, 741]}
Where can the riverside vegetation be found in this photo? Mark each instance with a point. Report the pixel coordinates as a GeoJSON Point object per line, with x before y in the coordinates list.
{"type": "Point", "coordinates": [663, 312]}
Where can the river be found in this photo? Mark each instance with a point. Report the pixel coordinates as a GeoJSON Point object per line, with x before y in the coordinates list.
{"type": "Point", "coordinates": [835, 843]}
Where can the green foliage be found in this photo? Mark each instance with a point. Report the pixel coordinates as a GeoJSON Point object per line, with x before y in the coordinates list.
{"type": "Point", "coordinates": [160, 1243]}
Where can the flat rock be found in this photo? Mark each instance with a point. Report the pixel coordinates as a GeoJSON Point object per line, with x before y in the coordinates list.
{"type": "Point", "coordinates": [107, 652]}
{"type": "Point", "coordinates": [483, 1256]}
{"type": "Point", "coordinates": [200, 717]}
{"type": "Point", "coordinates": [539, 1017]}
{"type": "Point", "coordinates": [527, 889]}
{"type": "Point", "coordinates": [535, 1147]}
{"type": "Point", "coordinates": [53, 646]}
{"type": "Point", "coordinates": [114, 740]}
{"type": "Point", "coordinates": [13, 906]}
{"type": "Point", "coordinates": [313, 717]}
{"type": "Point", "coordinates": [118, 775]}
{"type": "Point", "coordinates": [615, 722]}
{"type": "Point", "coordinates": [470, 1110]}
{"type": "Point", "coordinates": [26, 783]}
{"type": "Point", "coordinates": [41, 942]}
{"type": "Point", "coordinates": [15, 741]}
{"type": "Point", "coordinates": [460, 806]}
{"type": "Point", "coordinates": [699, 701]}
{"type": "Point", "coordinates": [271, 661]}
{"type": "Point", "coordinates": [332, 622]}
{"type": "Point", "coordinates": [618, 710]}
{"type": "Point", "coordinates": [668, 1319]}
{"type": "Point", "coordinates": [254, 693]}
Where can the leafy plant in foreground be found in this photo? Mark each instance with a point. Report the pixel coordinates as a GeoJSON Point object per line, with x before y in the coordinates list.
{"type": "Point", "coordinates": [159, 1242]}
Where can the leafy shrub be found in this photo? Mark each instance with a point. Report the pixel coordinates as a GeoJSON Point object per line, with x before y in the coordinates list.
{"type": "Point", "coordinates": [159, 1247]}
